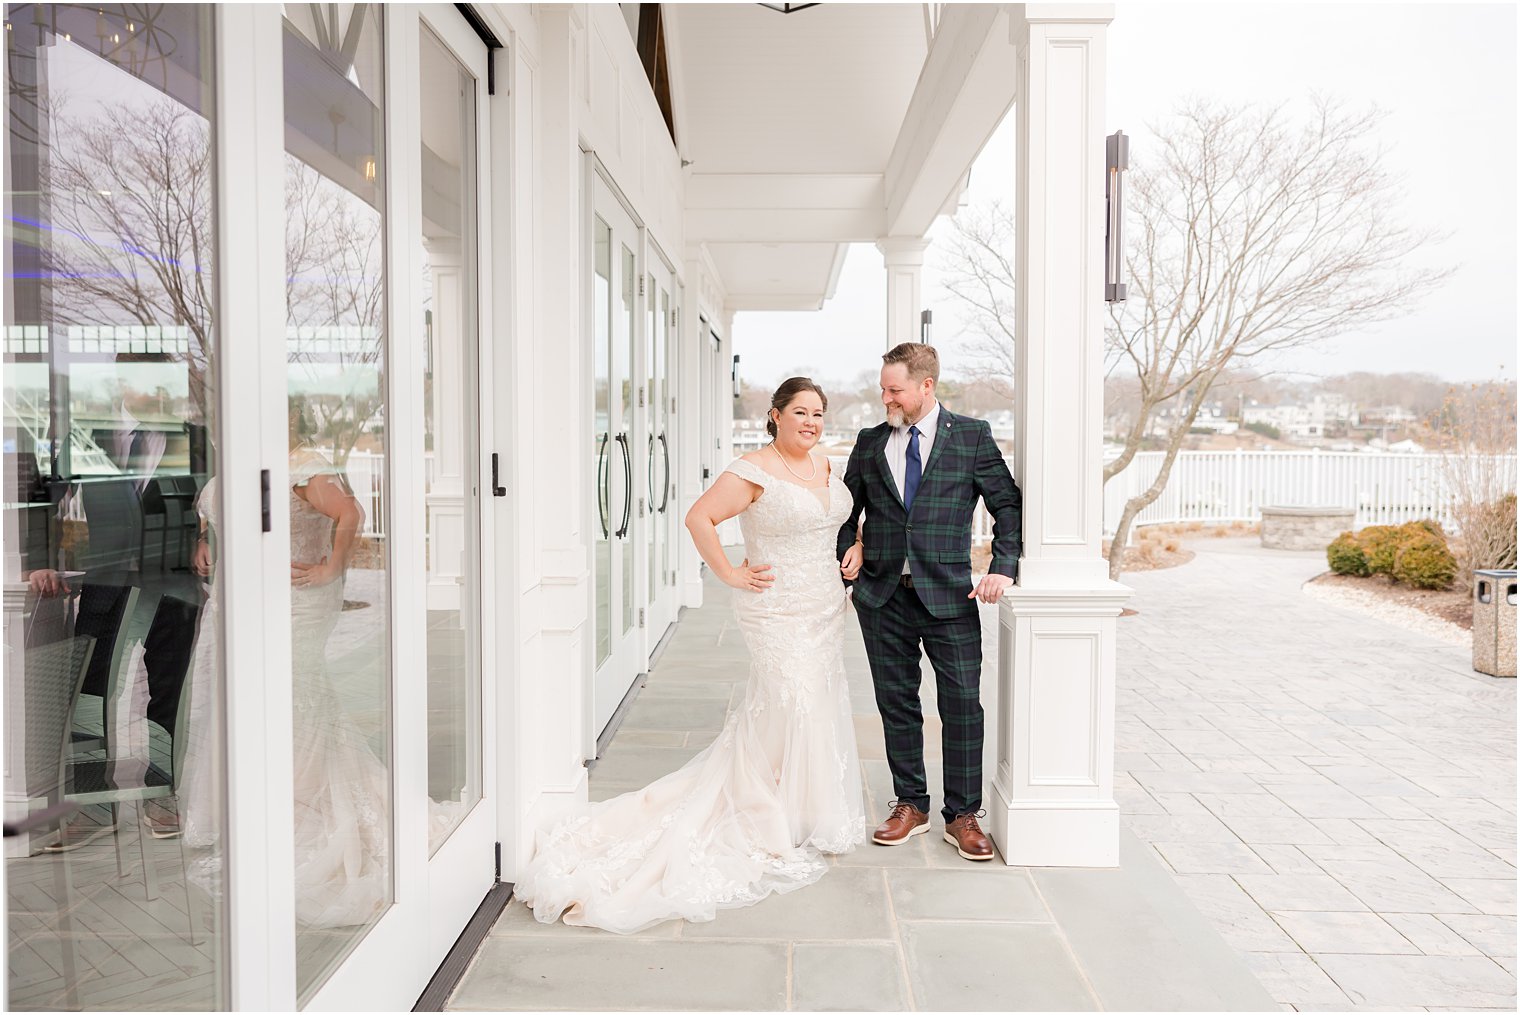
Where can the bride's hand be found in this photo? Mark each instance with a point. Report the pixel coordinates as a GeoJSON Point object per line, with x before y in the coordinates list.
{"type": "Point", "coordinates": [750, 579]}
{"type": "Point", "coordinates": [314, 575]}
{"type": "Point", "coordinates": [849, 568]}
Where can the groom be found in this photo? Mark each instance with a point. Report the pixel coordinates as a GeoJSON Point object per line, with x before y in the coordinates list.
{"type": "Point", "coordinates": [917, 477]}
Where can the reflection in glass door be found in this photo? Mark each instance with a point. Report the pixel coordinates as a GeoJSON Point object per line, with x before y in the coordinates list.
{"type": "Point", "coordinates": [335, 173]}
{"type": "Point", "coordinates": [618, 453]}
{"type": "Point", "coordinates": [113, 345]}
{"type": "Point", "coordinates": [450, 404]}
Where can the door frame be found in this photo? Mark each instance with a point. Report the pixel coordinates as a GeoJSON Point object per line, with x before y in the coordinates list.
{"type": "Point", "coordinates": [434, 899]}
{"type": "Point", "coordinates": [628, 656]}
{"type": "Point", "coordinates": [434, 896]}
{"type": "Point", "coordinates": [665, 606]}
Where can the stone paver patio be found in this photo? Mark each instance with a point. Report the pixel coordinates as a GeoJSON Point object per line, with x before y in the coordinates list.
{"type": "Point", "coordinates": [1336, 793]}
{"type": "Point", "coordinates": [1319, 813]}
{"type": "Point", "coordinates": [908, 928]}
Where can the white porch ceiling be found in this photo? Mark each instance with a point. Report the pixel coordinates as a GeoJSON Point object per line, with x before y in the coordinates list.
{"type": "Point", "coordinates": [802, 132]}
{"type": "Point", "coordinates": [820, 91]}
{"type": "Point", "coordinates": [788, 121]}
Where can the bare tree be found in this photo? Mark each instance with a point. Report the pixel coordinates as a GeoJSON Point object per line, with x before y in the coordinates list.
{"type": "Point", "coordinates": [133, 236]}
{"type": "Point", "coordinates": [334, 261]}
{"type": "Point", "coordinates": [978, 266]}
{"type": "Point", "coordinates": [1253, 235]}
{"type": "Point", "coordinates": [133, 242]}
{"type": "Point", "coordinates": [1475, 431]}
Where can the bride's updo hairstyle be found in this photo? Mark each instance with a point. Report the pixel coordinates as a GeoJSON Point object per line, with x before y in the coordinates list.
{"type": "Point", "coordinates": [790, 389]}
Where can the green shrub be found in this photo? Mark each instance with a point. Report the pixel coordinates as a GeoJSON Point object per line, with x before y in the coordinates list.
{"type": "Point", "coordinates": [1423, 561]}
{"type": "Point", "coordinates": [1380, 543]}
{"type": "Point", "coordinates": [1429, 525]}
{"type": "Point", "coordinates": [1346, 556]}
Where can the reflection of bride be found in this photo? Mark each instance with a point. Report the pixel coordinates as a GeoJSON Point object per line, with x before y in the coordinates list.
{"type": "Point", "coordinates": [341, 787]}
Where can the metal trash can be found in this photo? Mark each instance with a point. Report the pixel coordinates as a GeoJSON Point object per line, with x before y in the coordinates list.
{"type": "Point", "coordinates": [1494, 623]}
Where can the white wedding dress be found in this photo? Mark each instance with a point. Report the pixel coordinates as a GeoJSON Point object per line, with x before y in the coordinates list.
{"type": "Point", "coordinates": [780, 787]}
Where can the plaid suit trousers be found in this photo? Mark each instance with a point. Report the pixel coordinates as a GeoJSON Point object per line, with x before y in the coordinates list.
{"type": "Point", "coordinates": [896, 630]}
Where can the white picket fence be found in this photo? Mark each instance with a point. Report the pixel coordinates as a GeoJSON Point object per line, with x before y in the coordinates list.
{"type": "Point", "coordinates": [1230, 486]}
{"type": "Point", "coordinates": [1205, 486]}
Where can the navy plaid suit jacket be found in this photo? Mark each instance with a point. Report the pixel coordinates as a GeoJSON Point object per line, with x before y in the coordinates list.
{"type": "Point", "coordinates": [935, 538]}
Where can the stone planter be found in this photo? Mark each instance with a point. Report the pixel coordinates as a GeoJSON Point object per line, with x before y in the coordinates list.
{"type": "Point", "coordinates": [1303, 528]}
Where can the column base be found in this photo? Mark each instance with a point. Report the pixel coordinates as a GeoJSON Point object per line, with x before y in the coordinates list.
{"type": "Point", "coordinates": [1044, 833]}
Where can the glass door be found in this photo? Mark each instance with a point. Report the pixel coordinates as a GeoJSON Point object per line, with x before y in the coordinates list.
{"type": "Point", "coordinates": [620, 460]}
{"type": "Point", "coordinates": [452, 156]}
{"type": "Point", "coordinates": [115, 384]}
{"type": "Point", "coordinates": [386, 134]}
{"type": "Point", "coordinates": [660, 387]}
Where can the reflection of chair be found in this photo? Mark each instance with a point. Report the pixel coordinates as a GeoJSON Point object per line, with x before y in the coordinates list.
{"type": "Point", "coordinates": [103, 613]}
{"type": "Point", "coordinates": [53, 676]}
{"type": "Point", "coordinates": [49, 620]}
{"type": "Point", "coordinates": [153, 507]}
{"type": "Point", "coordinates": [188, 524]}
{"type": "Point", "coordinates": [113, 780]}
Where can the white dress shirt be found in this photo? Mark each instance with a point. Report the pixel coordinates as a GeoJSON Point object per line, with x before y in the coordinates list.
{"type": "Point", "coordinates": [897, 451]}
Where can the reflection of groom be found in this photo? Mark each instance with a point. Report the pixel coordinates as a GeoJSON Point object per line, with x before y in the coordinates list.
{"type": "Point", "coordinates": [917, 477]}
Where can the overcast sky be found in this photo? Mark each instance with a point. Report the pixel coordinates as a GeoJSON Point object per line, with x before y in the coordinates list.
{"type": "Point", "coordinates": [1445, 75]}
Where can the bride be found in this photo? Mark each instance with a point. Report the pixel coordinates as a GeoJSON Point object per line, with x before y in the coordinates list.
{"type": "Point", "coordinates": [780, 787]}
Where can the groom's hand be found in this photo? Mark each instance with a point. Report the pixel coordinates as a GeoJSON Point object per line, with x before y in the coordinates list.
{"type": "Point", "coordinates": [991, 588]}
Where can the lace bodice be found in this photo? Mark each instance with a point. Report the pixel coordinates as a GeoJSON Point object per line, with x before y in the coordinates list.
{"type": "Point", "coordinates": [790, 526]}
{"type": "Point", "coordinates": [311, 532]}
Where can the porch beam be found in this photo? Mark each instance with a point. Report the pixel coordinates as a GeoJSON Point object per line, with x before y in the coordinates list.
{"type": "Point", "coordinates": [784, 208]}
{"type": "Point", "coordinates": [966, 87]}
{"type": "Point", "coordinates": [1053, 800]}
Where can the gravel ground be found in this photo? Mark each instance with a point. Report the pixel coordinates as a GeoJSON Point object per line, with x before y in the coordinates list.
{"type": "Point", "coordinates": [1375, 606]}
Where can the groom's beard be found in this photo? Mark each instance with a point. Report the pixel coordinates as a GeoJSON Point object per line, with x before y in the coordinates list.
{"type": "Point", "coordinates": [896, 419]}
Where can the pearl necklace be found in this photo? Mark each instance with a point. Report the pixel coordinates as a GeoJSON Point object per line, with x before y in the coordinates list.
{"type": "Point", "coordinates": [787, 466]}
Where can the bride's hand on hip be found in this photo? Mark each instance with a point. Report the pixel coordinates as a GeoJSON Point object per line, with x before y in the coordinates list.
{"type": "Point", "coordinates": [314, 575]}
{"type": "Point", "coordinates": [750, 579]}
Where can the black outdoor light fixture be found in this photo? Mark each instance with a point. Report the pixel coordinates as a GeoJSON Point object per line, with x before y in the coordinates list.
{"type": "Point", "coordinates": [736, 375]}
{"type": "Point", "coordinates": [1113, 239]}
{"type": "Point", "coordinates": [789, 8]}
{"type": "Point", "coordinates": [925, 326]}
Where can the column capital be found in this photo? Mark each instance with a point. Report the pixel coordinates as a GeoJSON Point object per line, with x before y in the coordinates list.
{"type": "Point", "coordinates": [1060, 14]}
{"type": "Point", "coordinates": [902, 251]}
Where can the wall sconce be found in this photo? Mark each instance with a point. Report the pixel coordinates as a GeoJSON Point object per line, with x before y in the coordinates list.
{"type": "Point", "coordinates": [736, 376]}
{"type": "Point", "coordinates": [1113, 238]}
{"type": "Point", "coordinates": [369, 170]}
{"type": "Point", "coordinates": [925, 326]}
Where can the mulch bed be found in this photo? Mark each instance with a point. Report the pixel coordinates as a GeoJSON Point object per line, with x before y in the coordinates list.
{"type": "Point", "coordinates": [1451, 605]}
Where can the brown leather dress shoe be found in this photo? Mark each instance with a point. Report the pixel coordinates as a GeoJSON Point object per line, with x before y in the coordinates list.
{"type": "Point", "coordinates": [968, 838]}
{"type": "Point", "coordinates": [904, 822]}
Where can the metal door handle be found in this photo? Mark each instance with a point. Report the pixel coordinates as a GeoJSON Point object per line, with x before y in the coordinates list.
{"type": "Point", "coordinates": [622, 531]}
{"type": "Point", "coordinates": [665, 487]}
{"type": "Point", "coordinates": [603, 489]}
{"type": "Point", "coordinates": [497, 490]}
{"type": "Point", "coordinates": [264, 509]}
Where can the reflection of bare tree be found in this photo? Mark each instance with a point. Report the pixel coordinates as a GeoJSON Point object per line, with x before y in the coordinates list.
{"type": "Point", "coordinates": [334, 278]}
{"type": "Point", "coordinates": [132, 238]}
{"type": "Point", "coordinates": [132, 242]}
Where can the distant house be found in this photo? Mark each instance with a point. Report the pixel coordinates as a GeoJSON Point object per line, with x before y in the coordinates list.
{"type": "Point", "coordinates": [1309, 422]}
{"type": "Point", "coordinates": [1211, 418]}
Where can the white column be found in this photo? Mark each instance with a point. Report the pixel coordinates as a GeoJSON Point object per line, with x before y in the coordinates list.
{"type": "Point", "coordinates": [904, 259]}
{"type": "Point", "coordinates": [556, 478]}
{"type": "Point", "coordinates": [445, 496]}
{"type": "Point", "coordinates": [1053, 801]}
